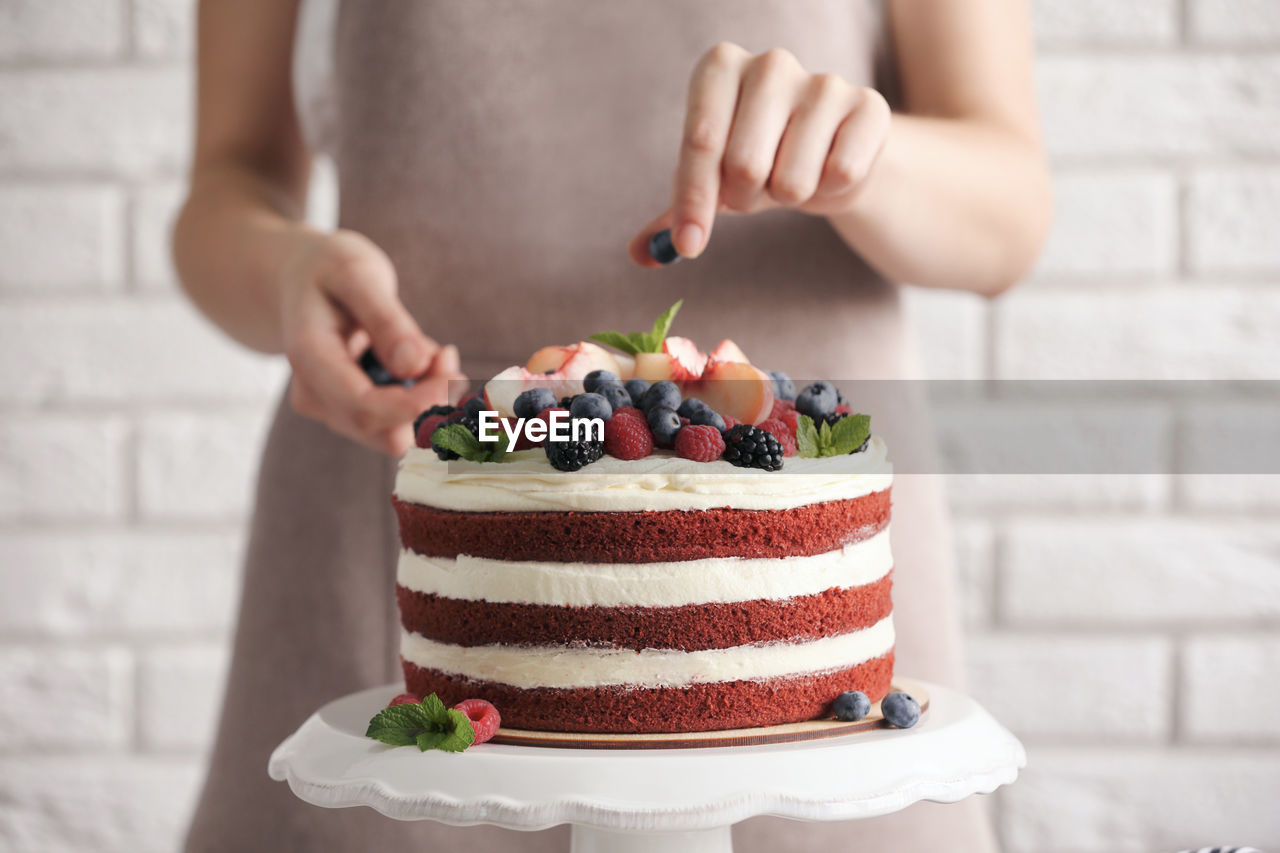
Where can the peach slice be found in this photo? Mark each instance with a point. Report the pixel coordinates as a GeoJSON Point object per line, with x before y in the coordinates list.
{"type": "Point", "coordinates": [727, 350]}
{"type": "Point", "coordinates": [734, 388]}
{"type": "Point", "coordinates": [574, 361]}
{"type": "Point", "coordinates": [501, 391]}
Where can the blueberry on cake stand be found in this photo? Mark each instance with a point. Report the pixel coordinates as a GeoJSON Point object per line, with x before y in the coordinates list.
{"type": "Point", "coordinates": [623, 798]}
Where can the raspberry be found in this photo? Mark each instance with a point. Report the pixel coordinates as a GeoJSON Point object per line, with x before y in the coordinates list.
{"type": "Point", "coordinates": [628, 410]}
{"type": "Point", "coordinates": [426, 426]}
{"type": "Point", "coordinates": [627, 437]}
{"type": "Point", "coordinates": [484, 718]}
{"type": "Point", "coordinates": [404, 699]}
{"type": "Point", "coordinates": [786, 437]}
{"type": "Point", "coordinates": [699, 442]}
{"type": "Point", "coordinates": [781, 406]}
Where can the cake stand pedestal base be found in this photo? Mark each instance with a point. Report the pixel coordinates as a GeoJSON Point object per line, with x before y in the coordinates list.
{"type": "Point", "coordinates": [587, 839]}
{"type": "Point", "coordinates": [646, 801]}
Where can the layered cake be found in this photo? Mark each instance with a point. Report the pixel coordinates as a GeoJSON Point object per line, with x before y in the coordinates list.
{"type": "Point", "coordinates": [677, 575]}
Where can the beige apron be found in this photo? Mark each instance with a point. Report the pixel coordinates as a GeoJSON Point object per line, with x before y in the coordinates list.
{"type": "Point", "coordinates": [503, 152]}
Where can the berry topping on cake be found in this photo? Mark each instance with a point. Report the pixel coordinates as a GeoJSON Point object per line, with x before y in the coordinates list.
{"type": "Point", "coordinates": [663, 394]}
{"type": "Point", "coordinates": [472, 426]}
{"type": "Point", "coordinates": [664, 423]}
{"type": "Point", "coordinates": [529, 403]}
{"type": "Point", "coordinates": [783, 387]}
{"type": "Point", "coordinates": [573, 455]}
{"type": "Point", "coordinates": [851, 706]}
{"type": "Point", "coordinates": [593, 379]}
{"type": "Point", "coordinates": [900, 710]}
{"type": "Point", "coordinates": [705, 417]}
{"type": "Point", "coordinates": [484, 718]}
{"type": "Point", "coordinates": [636, 387]}
{"type": "Point", "coordinates": [427, 422]}
{"type": "Point", "coordinates": [785, 436]}
{"type": "Point", "coordinates": [751, 447]}
{"type": "Point", "coordinates": [817, 399]}
{"type": "Point", "coordinates": [403, 699]}
{"type": "Point", "coordinates": [590, 405]}
{"type": "Point", "coordinates": [627, 437]}
{"type": "Point", "coordinates": [615, 393]}
{"type": "Point", "coordinates": [700, 443]}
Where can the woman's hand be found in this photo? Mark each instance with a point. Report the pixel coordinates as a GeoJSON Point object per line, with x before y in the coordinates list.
{"type": "Point", "coordinates": [338, 296]}
{"type": "Point", "coordinates": [760, 131]}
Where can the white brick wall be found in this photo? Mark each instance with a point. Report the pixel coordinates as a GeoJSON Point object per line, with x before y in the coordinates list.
{"type": "Point", "coordinates": [1126, 626]}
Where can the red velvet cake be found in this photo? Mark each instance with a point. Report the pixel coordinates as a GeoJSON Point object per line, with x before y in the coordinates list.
{"type": "Point", "coordinates": [654, 594]}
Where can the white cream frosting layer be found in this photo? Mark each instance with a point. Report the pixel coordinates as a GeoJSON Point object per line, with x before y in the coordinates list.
{"type": "Point", "coordinates": [528, 483]}
{"type": "Point", "coordinates": [722, 579]}
{"type": "Point", "coordinates": [564, 666]}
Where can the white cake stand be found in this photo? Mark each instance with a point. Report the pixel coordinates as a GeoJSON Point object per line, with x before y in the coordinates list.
{"type": "Point", "coordinates": [645, 801]}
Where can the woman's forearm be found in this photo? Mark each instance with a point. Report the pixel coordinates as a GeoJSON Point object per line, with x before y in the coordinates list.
{"type": "Point", "coordinates": [235, 236]}
{"type": "Point", "coordinates": [951, 203]}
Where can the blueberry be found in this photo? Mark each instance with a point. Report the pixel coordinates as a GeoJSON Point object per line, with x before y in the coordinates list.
{"type": "Point", "coordinates": [689, 406]}
{"type": "Point", "coordinates": [595, 377]}
{"type": "Point", "coordinates": [530, 402]}
{"type": "Point", "coordinates": [817, 399]}
{"type": "Point", "coordinates": [590, 406]}
{"type": "Point", "coordinates": [615, 393]}
{"type": "Point", "coordinates": [705, 416]}
{"type": "Point", "coordinates": [661, 394]}
{"type": "Point", "coordinates": [783, 387]}
{"type": "Point", "coordinates": [661, 249]}
{"type": "Point", "coordinates": [636, 387]}
{"type": "Point", "coordinates": [851, 706]}
{"type": "Point", "coordinates": [378, 374]}
{"type": "Point", "coordinates": [900, 710]}
{"type": "Point", "coordinates": [474, 407]}
{"type": "Point", "coordinates": [664, 423]}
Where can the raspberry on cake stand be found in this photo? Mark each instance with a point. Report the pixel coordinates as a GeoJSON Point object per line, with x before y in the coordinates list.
{"type": "Point", "coordinates": [673, 800]}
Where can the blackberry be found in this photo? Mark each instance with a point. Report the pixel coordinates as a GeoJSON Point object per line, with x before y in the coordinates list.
{"type": "Point", "coordinates": [572, 455]}
{"type": "Point", "coordinates": [474, 406]}
{"type": "Point", "coordinates": [751, 447]}
{"type": "Point", "coordinates": [434, 410]}
{"type": "Point", "coordinates": [468, 422]}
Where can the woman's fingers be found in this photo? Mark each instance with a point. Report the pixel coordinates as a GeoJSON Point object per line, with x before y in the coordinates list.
{"type": "Point", "coordinates": [857, 144]}
{"type": "Point", "coordinates": [713, 93]}
{"type": "Point", "coordinates": [638, 248]}
{"type": "Point", "coordinates": [362, 280]}
{"type": "Point", "coordinates": [802, 153]}
{"type": "Point", "coordinates": [769, 88]}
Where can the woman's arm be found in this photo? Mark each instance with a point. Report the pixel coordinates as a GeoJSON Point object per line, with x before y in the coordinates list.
{"type": "Point", "coordinates": [952, 193]}
{"type": "Point", "coordinates": [251, 264]}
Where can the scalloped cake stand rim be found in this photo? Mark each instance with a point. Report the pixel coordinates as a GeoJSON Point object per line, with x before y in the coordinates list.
{"type": "Point", "coordinates": [958, 749]}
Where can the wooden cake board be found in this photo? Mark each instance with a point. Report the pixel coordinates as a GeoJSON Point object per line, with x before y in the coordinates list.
{"type": "Point", "coordinates": [787, 733]}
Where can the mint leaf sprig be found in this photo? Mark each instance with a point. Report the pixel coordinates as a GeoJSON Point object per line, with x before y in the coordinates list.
{"type": "Point", "coordinates": [846, 436]}
{"type": "Point", "coordinates": [427, 724]}
{"type": "Point", "coordinates": [638, 342]}
{"type": "Point", "coordinates": [463, 442]}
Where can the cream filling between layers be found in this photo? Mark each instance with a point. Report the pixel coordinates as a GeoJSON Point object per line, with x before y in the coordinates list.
{"type": "Point", "coordinates": [668, 584]}
{"type": "Point", "coordinates": [530, 668]}
{"type": "Point", "coordinates": [528, 483]}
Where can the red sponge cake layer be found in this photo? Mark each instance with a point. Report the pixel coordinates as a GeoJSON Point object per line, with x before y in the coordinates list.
{"type": "Point", "coordinates": [694, 708]}
{"type": "Point", "coordinates": [642, 537]}
{"type": "Point", "coordinates": [687, 628]}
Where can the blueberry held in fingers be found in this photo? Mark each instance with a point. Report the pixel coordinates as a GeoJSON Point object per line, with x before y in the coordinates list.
{"type": "Point", "coordinates": [378, 374]}
{"type": "Point", "coordinates": [661, 249]}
